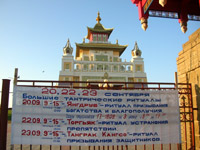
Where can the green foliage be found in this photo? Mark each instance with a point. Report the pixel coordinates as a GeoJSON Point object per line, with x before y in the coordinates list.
{"type": "Point", "coordinates": [9, 114]}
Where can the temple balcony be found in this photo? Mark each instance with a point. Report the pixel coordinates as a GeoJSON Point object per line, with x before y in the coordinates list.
{"type": "Point", "coordinates": [81, 60]}
{"type": "Point", "coordinates": [104, 42]}
{"type": "Point", "coordinates": [99, 66]}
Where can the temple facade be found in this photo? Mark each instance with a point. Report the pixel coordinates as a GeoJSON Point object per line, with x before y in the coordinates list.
{"type": "Point", "coordinates": [99, 60]}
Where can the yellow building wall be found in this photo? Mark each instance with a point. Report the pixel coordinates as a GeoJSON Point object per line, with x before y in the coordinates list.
{"type": "Point", "coordinates": [86, 52]}
{"type": "Point", "coordinates": [188, 67]}
{"type": "Point", "coordinates": [70, 78]}
{"type": "Point", "coordinates": [81, 53]}
{"type": "Point", "coordinates": [115, 53]}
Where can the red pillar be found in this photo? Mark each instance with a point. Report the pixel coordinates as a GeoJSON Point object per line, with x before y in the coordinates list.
{"type": "Point", "coordinates": [142, 17]}
{"type": "Point", "coordinates": [140, 5]}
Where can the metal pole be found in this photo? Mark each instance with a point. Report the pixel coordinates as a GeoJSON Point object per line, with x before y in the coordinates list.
{"type": "Point", "coordinates": [15, 76]}
{"type": "Point", "coordinates": [4, 113]}
{"type": "Point", "coordinates": [192, 122]}
{"type": "Point", "coordinates": [176, 80]}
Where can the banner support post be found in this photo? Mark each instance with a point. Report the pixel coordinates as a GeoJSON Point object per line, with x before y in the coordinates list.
{"type": "Point", "coordinates": [176, 80]}
{"type": "Point", "coordinates": [15, 76]}
{"type": "Point", "coordinates": [4, 113]}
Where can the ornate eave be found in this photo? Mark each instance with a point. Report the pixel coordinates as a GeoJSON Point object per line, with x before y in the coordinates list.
{"type": "Point", "coordinates": [99, 28]}
{"type": "Point", "coordinates": [100, 46]}
{"type": "Point", "coordinates": [183, 10]}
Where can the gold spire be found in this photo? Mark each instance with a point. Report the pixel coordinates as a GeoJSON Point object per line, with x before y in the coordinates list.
{"type": "Point", "coordinates": [98, 19]}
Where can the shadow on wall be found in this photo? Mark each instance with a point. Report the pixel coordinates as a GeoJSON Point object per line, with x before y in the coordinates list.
{"type": "Point", "coordinates": [197, 89]}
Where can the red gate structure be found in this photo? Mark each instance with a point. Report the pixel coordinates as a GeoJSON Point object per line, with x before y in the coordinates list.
{"type": "Point", "coordinates": [185, 104]}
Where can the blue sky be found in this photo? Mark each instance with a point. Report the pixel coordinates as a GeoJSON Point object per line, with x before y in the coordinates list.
{"type": "Point", "coordinates": [34, 32]}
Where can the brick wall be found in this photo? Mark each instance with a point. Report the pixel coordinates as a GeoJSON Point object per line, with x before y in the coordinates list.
{"type": "Point", "coordinates": [188, 68]}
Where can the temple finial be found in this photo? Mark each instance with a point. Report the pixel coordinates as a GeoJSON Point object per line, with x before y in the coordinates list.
{"type": "Point", "coordinates": [136, 46]}
{"type": "Point", "coordinates": [68, 49]}
{"type": "Point", "coordinates": [98, 19]}
{"type": "Point", "coordinates": [136, 52]}
{"type": "Point", "coordinates": [68, 40]}
{"type": "Point", "coordinates": [116, 41]}
{"type": "Point", "coordinates": [68, 43]}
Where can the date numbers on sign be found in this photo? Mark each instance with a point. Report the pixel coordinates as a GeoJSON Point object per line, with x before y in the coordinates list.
{"type": "Point", "coordinates": [30, 102]}
{"type": "Point", "coordinates": [30, 120]}
{"type": "Point", "coordinates": [69, 92]}
{"type": "Point", "coordinates": [31, 132]}
{"type": "Point", "coordinates": [25, 132]}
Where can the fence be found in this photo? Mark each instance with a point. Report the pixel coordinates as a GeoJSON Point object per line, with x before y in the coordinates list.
{"type": "Point", "coordinates": [185, 104]}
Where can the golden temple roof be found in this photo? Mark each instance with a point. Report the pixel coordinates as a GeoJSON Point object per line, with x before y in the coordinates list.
{"type": "Point", "coordinates": [98, 28]}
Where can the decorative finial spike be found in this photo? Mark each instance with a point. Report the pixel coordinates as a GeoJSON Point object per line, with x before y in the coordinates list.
{"type": "Point", "coordinates": [183, 25]}
{"type": "Point", "coordinates": [163, 2]}
{"type": "Point", "coordinates": [68, 49]}
{"type": "Point", "coordinates": [184, 29]}
{"type": "Point", "coordinates": [98, 19]}
{"type": "Point", "coordinates": [68, 43]}
{"type": "Point", "coordinates": [136, 46]}
{"type": "Point", "coordinates": [144, 23]}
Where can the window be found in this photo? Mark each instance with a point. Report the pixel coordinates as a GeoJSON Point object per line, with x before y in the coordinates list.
{"type": "Point", "coordinates": [101, 58]}
{"type": "Point", "coordinates": [66, 78]}
{"type": "Point", "coordinates": [104, 38]}
{"type": "Point", "coordinates": [99, 37]}
{"type": "Point", "coordinates": [115, 68]}
{"type": "Point", "coordinates": [106, 67]}
{"type": "Point", "coordinates": [85, 67]}
{"type": "Point", "coordinates": [129, 68]}
{"type": "Point", "coordinates": [77, 67]}
{"type": "Point", "coordinates": [76, 78]}
{"type": "Point", "coordinates": [122, 68]}
{"type": "Point", "coordinates": [110, 59]}
{"type": "Point", "coordinates": [99, 67]}
{"type": "Point", "coordinates": [92, 58]}
{"type": "Point", "coordinates": [94, 37]}
{"type": "Point", "coordinates": [86, 58]}
{"type": "Point", "coordinates": [66, 66]}
{"type": "Point", "coordinates": [138, 68]}
{"type": "Point", "coordinates": [115, 59]}
{"type": "Point", "coordinates": [92, 67]}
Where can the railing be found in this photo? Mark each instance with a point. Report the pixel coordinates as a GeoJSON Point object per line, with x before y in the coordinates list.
{"type": "Point", "coordinates": [89, 85]}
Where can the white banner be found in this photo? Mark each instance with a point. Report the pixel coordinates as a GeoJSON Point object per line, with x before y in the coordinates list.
{"type": "Point", "coordinates": [60, 116]}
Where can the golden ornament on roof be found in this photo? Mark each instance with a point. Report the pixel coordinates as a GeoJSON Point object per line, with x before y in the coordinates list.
{"type": "Point", "coordinates": [98, 19]}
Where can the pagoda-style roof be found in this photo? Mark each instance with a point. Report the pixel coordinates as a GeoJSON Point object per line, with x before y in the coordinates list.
{"type": "Point", "coordinates": [100, 46]}
{"type": "Point", "coordinates": [98, 28]}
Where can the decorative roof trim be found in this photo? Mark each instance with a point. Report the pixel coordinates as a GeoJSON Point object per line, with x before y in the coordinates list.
{"type": "Point", "coordinates": [100, 46]}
